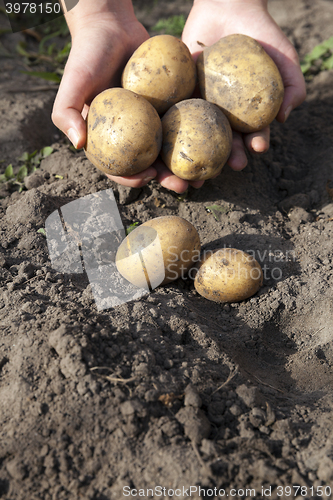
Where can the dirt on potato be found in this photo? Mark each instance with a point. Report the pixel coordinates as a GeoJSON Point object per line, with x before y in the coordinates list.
{"type": "Point", "coordinates": [171, 395]}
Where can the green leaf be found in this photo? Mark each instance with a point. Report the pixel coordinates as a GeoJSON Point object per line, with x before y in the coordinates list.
{"type": "Point", "coordinates": [305, 67]}
{"type": "Point", "coordinates": [9, 173]}
{"type": "Point", "coordinates": [217, 210]}
{"type": "Point", "coordinates": [24, 157]}
{"type": "Point", "coordinates": [22, 173]}
{"type": "Point", "coordinates": [41, 231]}
{"type": "Point", "coordinates": [318, 52]}
{"type": "Point", "coordinates": [46, 151]}
{"type": "Point", "coordinates": [3, 31]}
{"type": "Point", "coordinates": [31, 155]}
{"type": "Point", "coordinates": [131, 227]}
{"type": "Point", "coordinates": [46, 75]}
{"type": "Point", "coordinates": [328, 63]}
{"type": "Point", "coordinates": [20, 47]}
{"type": "Point", "coordinates": [46, 38]}
{"type": "Point", "coordinates": [172, 25]}
{"type": "Point", "coordinates": [328, 43]}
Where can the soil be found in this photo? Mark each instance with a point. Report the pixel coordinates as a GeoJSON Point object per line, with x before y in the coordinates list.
{"type": "Point", "coordinates": [170, 389]}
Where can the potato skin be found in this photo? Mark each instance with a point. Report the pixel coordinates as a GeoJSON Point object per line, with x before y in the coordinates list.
{"type": "Point", "coordinates": [124, 132]}
{"type": "Point", "coordinates": [197, 139]}
{"type": "Point", "coordinates": [162, 70]}
{"type": "Point", "coordinates": [228, 275]}
{"type": "Point", "coordinates": [169, 246]}
{"type": "Point", "coordinates": [239, 76]}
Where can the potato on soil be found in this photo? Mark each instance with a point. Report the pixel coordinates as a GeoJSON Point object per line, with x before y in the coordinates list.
{"type": "Point", "coordinates": [162, 70]}
{"type": "Point", "coordinates": [124, 132]}
{"type": "Point", "coordinates": [158, 252]}
{"type": "Point", "coordinates": [197, 139]}
{"type": "Point", "coordinates": [228, 275]}
{"type": "Point", "coordinates": [239, 76]}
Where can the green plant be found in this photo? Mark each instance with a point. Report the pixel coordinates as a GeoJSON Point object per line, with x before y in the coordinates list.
{"type": "Point", "coordinates": [49, 54]}
{"type": "Point", "coordinates": [319, 59]}
{"type": "Point", "coordinates": [217, 211]}
{"type": "Point", "coordinates": [172, 25]}
{"type": "Point", "coordinates": [131, 227]}
{"type": "Point", "coordinates": [52, 51]}
{"type": "Point", "coordinates": [30, 163]}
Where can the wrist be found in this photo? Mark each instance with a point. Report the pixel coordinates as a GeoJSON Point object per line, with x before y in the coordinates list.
{"type": "Point", "coordinates": [86, 12]}
{"type": "Point", "coordinates": [236, 3]}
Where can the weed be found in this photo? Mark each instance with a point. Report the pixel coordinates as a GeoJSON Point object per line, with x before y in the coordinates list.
{"type": "Point", "coordinates": [30, 163]}
{"type": "Point", "coordinates": [217, 211]}
{"type": "Point", "coordinates": [319, 59]}
{"type": "Point", "coordinates": [172, 25]}
{"type": "Point", "coordinates": [131, 227]}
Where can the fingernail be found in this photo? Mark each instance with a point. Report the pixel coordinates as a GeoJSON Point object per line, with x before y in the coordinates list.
{"type": "Point", "coordinates": [147, 179]}
{"type": "Point", "coordinates": [73, 137]}
{"type": "Point", "coordinates": [287, 113]}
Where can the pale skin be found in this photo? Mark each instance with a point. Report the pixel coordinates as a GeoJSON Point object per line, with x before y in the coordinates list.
{"type": "Point", "coordinates": [106, 32]}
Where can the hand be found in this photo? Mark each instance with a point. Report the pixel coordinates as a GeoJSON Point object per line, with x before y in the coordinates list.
{"type": "Point", "coordinates": [102, 42]}
{"type": "Point", "coordinates": [210, 20]}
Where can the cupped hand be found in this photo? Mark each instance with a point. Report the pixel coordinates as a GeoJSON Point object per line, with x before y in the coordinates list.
{"type": "Point", "coordinates": [101, 47]}
{"type": "Point", "coordinates": [210, 20]}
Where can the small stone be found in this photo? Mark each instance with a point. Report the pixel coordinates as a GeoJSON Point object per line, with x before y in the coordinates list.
{"type": "Point", "coordinates": [249, 395]}
{"type": "Point", "coordinates": [34, 180]}
{"type": "Point", "coordinates": [196, 424]}
{"type": "Point", "coordinates": [192, 397]}
{"type": "Point", "coordinates": [127, 194]}
{"type": "Point", "coordinates": [16, 469]}
{"type": "Point", "coordinates": [235, 410]}
{"type": "Point", "coordinates": [131, 407]}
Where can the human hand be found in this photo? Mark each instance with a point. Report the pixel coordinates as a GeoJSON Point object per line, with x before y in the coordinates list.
{"type": "Point", "coordinates": [102, 42]}
{"type": "Point", "coordinates": [210, 20]}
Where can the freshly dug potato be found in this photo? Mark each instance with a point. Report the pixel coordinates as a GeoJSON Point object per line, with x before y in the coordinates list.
{"type": "Point", "coordinates": [197, 139]}
{"type": "Point", "coordinates": [124, 132]}
{"type": "Point", "coordinates": [239, 76]}
{"type": "Point", "coordinates": [228, 275]}
{"type": "Point", "coordinates": [158, 252]}
{"type": "Point", "coordinates": [161, 70]}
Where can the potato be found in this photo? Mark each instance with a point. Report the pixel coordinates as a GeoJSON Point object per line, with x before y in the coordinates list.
{"type": "Point", "coordinates": [197, 139]}
{"type": "Point", "coordinates": [228, 275]}
{"type": "Point", "coordinates": [239, 76]}
{"type": "Point", "coordinates": [158, 252]}
{"type": "Point", "coordinates": [124, 132]}
{"type": "Point", "coordinates": [162, 70]}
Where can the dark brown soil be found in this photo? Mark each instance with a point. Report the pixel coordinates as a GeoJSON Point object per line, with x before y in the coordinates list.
{"type": "Point", "coordinates": [172, 390]}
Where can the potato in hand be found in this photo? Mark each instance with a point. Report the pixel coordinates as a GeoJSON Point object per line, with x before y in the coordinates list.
{"type": "Point", "coordinates": [197, 139]}
{"type": "Point", "coordinates": [124, 132]}
{"type": "Point", "coordinates": [161, 70]}
{"type": "Point", "coordinates": [241, 78]}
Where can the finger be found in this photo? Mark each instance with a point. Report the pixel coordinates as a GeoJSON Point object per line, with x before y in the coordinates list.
{"type": "Point", "coordinates": [258, 142]}
{"type": "Point", "coordinates": [169, 180]}
{"type": "Point", "coordinates": [137, 180]}
{"type": "Point", "coordinates": [237, 159]}
{"type": "Point", "coordinates": [293, 80]}
{"type": "Point", "coordinates": [196, 184]}
{"type": "Point", "coordinates": [69, 104]}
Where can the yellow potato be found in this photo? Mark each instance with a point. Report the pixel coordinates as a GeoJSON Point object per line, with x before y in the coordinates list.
{"type": "Point", "coordinates": [197, 139]}
{"type": "Point", "coordinates": [162, 70]}
{"type": "Point", "coordinates": [124, 132]}
{"type": "Point", "coordinates": [158, 252]}
{"type": "Point", "coordinates": [239, 76]}
{"type": "Point", "coordinates": [228, 275]}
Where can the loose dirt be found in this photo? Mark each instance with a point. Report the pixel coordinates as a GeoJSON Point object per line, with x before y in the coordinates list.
{"type": "Point", "coordinates": [172, 390]}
